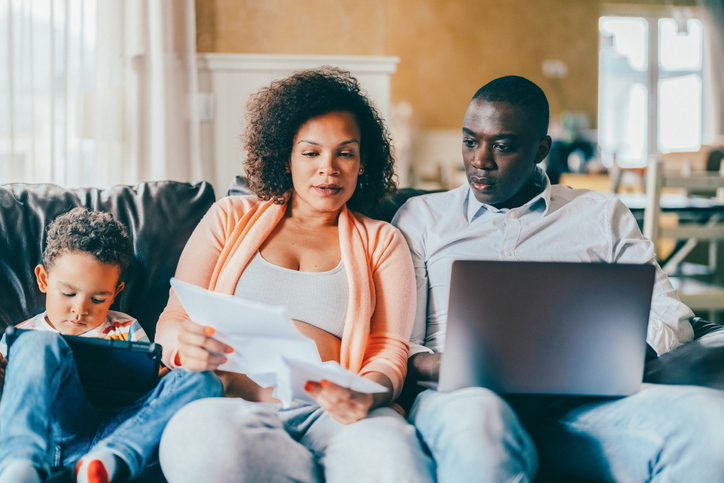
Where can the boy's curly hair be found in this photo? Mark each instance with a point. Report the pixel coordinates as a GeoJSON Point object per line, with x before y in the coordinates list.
{"type": "Point", "coordinates": [275, 114]}
{"type": "Point", "coordinates": [94, 232]}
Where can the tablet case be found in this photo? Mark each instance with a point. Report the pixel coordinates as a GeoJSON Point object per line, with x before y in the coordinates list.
{"type": "Point", "coordinates": [112, 372]}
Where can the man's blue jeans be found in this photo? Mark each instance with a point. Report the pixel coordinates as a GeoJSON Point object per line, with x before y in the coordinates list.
{"type": "Point", "coordinates": [663, 433]}
{"type": "Point", "coordinates": [45, 416]}
{"type": "Point", "coordinates": [233, 441]}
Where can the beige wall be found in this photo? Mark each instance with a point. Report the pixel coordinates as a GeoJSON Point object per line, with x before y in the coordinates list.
{"type": "Point", "coordinates": [448, 48]}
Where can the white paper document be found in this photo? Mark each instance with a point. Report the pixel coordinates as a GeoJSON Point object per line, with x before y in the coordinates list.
{"type": "Point", "coordinates": [268, 347]}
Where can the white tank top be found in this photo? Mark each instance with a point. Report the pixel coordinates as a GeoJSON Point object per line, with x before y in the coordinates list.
{"type": "Point", "coordinates": [316, 298]}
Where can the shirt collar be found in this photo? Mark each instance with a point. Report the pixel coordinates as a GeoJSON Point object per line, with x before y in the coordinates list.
{"type": "Point", "coordinates": [541, 180]}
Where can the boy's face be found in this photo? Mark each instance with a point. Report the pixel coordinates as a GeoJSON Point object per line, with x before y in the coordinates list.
{"type": "Point", "coordinates": [80, 290]}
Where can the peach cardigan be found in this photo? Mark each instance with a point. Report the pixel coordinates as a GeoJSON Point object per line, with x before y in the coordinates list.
{"type": "Point", "coordinates": [381, 307]}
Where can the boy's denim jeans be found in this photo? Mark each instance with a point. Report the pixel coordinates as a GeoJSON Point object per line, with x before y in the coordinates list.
{"type": "Point", "coordinates": [45, 416]}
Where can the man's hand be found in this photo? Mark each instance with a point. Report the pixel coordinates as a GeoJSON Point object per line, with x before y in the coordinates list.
{"type": "Point", "coordinates": [344, 405]}
{"type": "Point", "coordinates": [197, 350]}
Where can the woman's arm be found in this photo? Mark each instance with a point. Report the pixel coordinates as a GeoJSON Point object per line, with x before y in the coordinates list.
{"type": "Point", "coordinates": [393, 318]}
{"type": "Point", "coordinates": [196, 266]}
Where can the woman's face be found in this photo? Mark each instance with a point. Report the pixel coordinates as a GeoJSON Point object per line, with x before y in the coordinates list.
{"type": "Point", "coordinates": [326, 162]}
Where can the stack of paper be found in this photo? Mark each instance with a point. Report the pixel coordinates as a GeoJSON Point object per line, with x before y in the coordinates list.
{"type": "Point", "coordinates": [267, 345]}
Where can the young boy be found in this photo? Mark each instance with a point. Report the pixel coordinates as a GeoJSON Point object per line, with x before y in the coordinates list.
{"type": "Point", "coordinates": [46, 420]}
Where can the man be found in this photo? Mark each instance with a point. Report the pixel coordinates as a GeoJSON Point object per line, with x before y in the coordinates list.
{"type": "Point", "coordinates": [510, 211]}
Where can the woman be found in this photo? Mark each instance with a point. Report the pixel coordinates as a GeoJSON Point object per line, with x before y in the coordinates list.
{"type": "Point", "coordinates": [316, 151]}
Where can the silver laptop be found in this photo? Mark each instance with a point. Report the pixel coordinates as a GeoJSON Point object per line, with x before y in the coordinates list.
{"type": "Point", "coordinates": [547, 327]}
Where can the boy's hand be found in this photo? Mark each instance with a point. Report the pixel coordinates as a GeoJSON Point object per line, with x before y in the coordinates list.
{"type": "Point", "coordinates": [197, 350]}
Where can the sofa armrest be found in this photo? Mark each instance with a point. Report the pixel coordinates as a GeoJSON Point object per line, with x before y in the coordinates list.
{"type": "Point", "coordinates": [699, 363]}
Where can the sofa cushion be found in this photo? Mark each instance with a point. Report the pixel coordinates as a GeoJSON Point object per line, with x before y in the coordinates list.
{"type": "Point", "coordinates": [160, 217]}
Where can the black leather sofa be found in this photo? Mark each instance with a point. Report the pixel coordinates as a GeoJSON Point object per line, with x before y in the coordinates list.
{"type": "Point", "coordinates": [161, 216]}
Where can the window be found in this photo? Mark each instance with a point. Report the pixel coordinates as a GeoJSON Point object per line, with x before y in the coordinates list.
{"type": "Point", "coordinates": [652, 85]}
{"type": "Point", "coordinates": [47, 50]}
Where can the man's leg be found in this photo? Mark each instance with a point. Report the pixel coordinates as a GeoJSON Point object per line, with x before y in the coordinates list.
{"type": "Point", "coordinates": [135, 433]}
{"type": "Point", "coordinates": [44, 414]}
{"type": "Point", "coordinates": [474, 435]}
{"type": "Point", "coordinates": [232, 441]}
{"type": "Point", "coordinates": [383, 447]}
{"type": "Point", "coordinates": [663, 433]}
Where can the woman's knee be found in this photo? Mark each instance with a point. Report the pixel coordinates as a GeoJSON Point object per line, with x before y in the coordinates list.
{"type": "Point", "coordinates": [385, 438]}
{"type": "Point", "coordinates": [225, 440]}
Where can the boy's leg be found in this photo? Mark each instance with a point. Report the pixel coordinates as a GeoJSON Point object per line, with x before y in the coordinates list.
{"type": "Point", "coordinates": [663, 433]}
{"type": "Point", "coordinates": [43, 408]}
{"type": "Point", "coordinates": [474, 435]}
{"type": "Point", "coordinates": [134, 435]}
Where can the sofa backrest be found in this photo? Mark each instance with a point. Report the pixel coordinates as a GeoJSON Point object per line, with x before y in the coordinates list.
{"type": "Point", "coordinates": [160, 217]}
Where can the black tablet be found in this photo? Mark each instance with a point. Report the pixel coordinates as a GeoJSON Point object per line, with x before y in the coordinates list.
{"type": "Point", "coordinates": [112, 372]}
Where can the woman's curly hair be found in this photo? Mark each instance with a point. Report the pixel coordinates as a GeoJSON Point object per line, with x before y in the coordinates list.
{"type": "Point", "coordinates": [275, 114]}
{"type": "Point", "coordinates": [93, 232]}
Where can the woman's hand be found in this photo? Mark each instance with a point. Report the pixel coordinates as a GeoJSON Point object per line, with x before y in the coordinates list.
{"type": "Point", "coordinates": [197, 350]}
{"type": "Point", "coordinates": [344, 405]}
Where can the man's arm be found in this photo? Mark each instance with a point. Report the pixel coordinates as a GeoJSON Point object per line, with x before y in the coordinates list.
{"type": "Point", "coordinates": [669, 322]}
{"type": "Point", "coordinates": [424, 366]}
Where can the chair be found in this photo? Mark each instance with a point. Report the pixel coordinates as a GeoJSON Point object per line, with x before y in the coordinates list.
{"type": "Point", "coordinates": [696, 219]}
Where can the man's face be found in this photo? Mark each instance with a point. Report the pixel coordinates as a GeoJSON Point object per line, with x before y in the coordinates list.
{"type": "Point", "coordinates": [501, 147]}
{"type": "Point", "coordinates": [79, 291]}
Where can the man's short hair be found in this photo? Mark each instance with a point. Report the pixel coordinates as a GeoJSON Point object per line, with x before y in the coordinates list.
{"type": "Point", "coordinates": [93, 232]}
{"type": "Point", "coordinates": [518, 91]}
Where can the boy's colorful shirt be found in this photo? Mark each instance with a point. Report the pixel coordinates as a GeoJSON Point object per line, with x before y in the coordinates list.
{"type": "Point", "coordinates": [116, 326]}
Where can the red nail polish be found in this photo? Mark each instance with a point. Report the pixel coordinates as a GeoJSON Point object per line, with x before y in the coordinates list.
{"type": "Point", "coordinates": [229, 350]}
{"type": "Point", "coordinates": [324, 383]}
{"type": "Point", "coordinates": [209, 331]}
{"type": "Point", "coordinates": [308, 386]}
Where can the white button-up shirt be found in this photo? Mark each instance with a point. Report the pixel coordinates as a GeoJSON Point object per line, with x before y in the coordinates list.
{"type": "Point", "coordinates": [559, 224]}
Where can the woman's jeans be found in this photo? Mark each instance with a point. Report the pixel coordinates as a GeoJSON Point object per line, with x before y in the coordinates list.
{"type": "Point", "coordinates": [663, 433]}
{"type": "Point", "coordinates": [232, 440]}
{"type": "Point", "coordinates": [45, 416]}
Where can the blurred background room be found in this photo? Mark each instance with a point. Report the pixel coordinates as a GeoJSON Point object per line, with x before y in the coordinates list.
{"type": "Point", "coordinates": [104, 92]}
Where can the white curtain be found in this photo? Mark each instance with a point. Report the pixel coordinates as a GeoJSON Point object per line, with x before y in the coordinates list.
{"type": "Point", "coordinates": [98, 92]}
{"type": "Point", "coordinates": [715, 22]}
